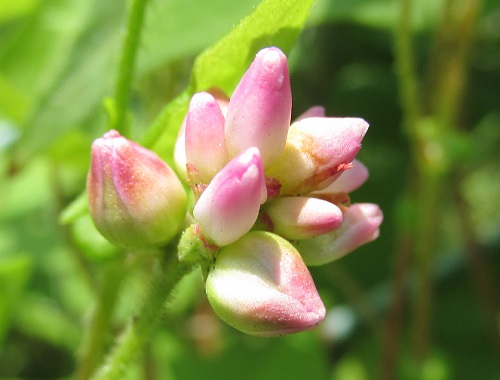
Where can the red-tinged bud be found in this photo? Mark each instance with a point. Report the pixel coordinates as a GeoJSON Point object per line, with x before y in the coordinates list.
{"type": "Point", "coordinates": [259, 111]}
{"type": "Point", "coordinates": [135, 199]}
{"type": "Point", "coordinates": [317, 150]}
{"type": "Point", "coordinates": [360, 226]}
{"type": "Point", "coordinates": [229, 206]}
{"type": "Point", "coordinates": [261, 286]}
{"type": "Point", "coordinates": [349, 180]}
{"type": "Point", "coordinates": [205, 139]}
{"type": "Point", "coordinates": [301, 217]}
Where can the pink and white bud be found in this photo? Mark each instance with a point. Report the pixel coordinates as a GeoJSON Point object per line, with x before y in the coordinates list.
{"type": "Point", "coordinates": [301, 217]}
{"type": "Point", "coordinates": [261, 286]}
{"type": "Point", "coordinates": [180, 159]}
{"type": "Point", "coordinates": [259, 111]}
{"type": "Point", "coordinates": [349, 180]}
{"type": "Point", "coordinates": [360, 226]}
{"type": "Point", "coordinates": [204, 138]}
{"type": "Point", "coordinates": [317, 150]}
{"type": "Point", "coordinates": [229, 206]}
{"type": "Point", "coordinates": [135, 199]}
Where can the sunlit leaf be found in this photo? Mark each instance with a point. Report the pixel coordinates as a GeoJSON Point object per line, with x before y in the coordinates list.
{"type": "Point", "coordinates": [273, 23]}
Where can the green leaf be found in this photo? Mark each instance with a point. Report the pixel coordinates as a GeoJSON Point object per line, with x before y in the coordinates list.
{"type": "Point", "coordinates": [10, 10]}
{"type": "Point", "coordinates": [176, 29]}
{"type": "Point", "coordinates": [64, 81]}
{"type": "Point", "coordinates": [273, 23]}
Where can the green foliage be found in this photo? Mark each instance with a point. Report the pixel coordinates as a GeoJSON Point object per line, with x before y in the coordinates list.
{"type": "Point", "coordinates": [58, 62]}
{"type": "Point", "coordinates": [273, 23]}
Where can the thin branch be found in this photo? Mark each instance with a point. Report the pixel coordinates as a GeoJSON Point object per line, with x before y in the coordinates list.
{"type": "Point", "coordinates": [118, 116]}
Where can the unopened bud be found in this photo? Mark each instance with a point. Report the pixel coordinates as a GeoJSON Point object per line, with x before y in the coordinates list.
{"type": "Point", "coordinates": [301, 217]}
{"type": "Point", "coordinates": [317, 150]}
{"type": "Point", "coordinates": [230, 204]}
{"type": "Point", "coordinates": [259, 111]}
{"type": "Point", "coordinates": [135, 199]}
{"type": "Point", "coordinates": [261, 286]}
{"type": "Point", "coordinates": [360, 226]}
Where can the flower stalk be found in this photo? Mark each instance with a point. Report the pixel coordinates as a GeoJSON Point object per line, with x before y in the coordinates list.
{"type": "Point", "coordinates": [166, 274]}
{"type": "Point", "coordinates": [118, 116]}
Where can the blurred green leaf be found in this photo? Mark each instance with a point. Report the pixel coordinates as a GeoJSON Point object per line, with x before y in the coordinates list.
{"type": "Point", "coordinates": [95, 247]}
{"type": "Point", "coordinates": [293, 357]}
{"type": "Point", "coordinates": [10, 10]}
{"type": "Point", "coordinates": [13, 104]}
{"type": "Point", "coordinates": [33, 65]}
{"type": "Point", "coordinates": [14, 273]}
{"type": "Point", "coordinates": [382, 14]}
{"type": "Point", "coordinates": [42, 318]}
{"type": "Point", "coordinates": [177, 29]}
{"type": "Point", "coordinates": [69, 79]}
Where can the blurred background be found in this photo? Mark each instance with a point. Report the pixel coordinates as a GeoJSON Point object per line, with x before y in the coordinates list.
{"type": "Point", "coordinates": [421, 302]}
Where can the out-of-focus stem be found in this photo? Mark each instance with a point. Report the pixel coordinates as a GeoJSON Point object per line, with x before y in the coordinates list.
{"type": "Point", "coordinates": [164, 278]}
{"type": "Point", "coordinates": [426, 125]}
{"type": "Point", "coordinates": [357, 297]}
{"type": "Point", "coordinates": [486, 284]}
{"type": "Point", "coordinates": [405, 66]}
{"type": "Point", "coordinates": [447, 70]}
{"type": "Point", "coordinates": [395, 314]}
{"type": "Point", "coordinates": [118, 119]}
{"type": "Point", "coordinates": [99, 331]}
{"type": "Point", "coordinates": [428, 196]}
{"type": "Point", "coordinates": [410, 103]}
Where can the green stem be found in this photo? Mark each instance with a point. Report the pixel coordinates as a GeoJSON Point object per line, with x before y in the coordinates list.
{"type": "Point", "coordinates": [99, 332]}
{"type": "Point", "coordinates": [118, 119]}
{"type": "Point", "coordinates": [166, 275]}
{"type": "Point", "coordinates": [428, 196]}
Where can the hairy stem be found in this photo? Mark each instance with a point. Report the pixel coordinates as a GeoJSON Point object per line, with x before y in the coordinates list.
{"type": "Point", "coordinates": [166, 275]}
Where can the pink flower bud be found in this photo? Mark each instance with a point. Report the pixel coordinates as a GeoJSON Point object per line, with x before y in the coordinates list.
{"type": "Point", "coordinates": [261, 286]}
{"type": "Point", "coordinates": [360, 226]}
{"type": "Point", "coordinates": [180, 143]}
{"type": "Point", "coordinates": [135, 199]}
{"type": "Point", "coordinates": [349, 180]}
{"type": "Point", "coordinates": [301, 217]}
{"type": "Point", "coordinates": [229, 206]}
{"type": "Point", "coordinates": [317, 150]}
{"type": "Point", "coordinates": [205, 139]}
{"type": "Point", "coordinates": [259, 111]}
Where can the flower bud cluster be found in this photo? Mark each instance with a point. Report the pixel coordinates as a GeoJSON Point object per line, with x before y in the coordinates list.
{"type": "Point", "coordinates": [273, 196]}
